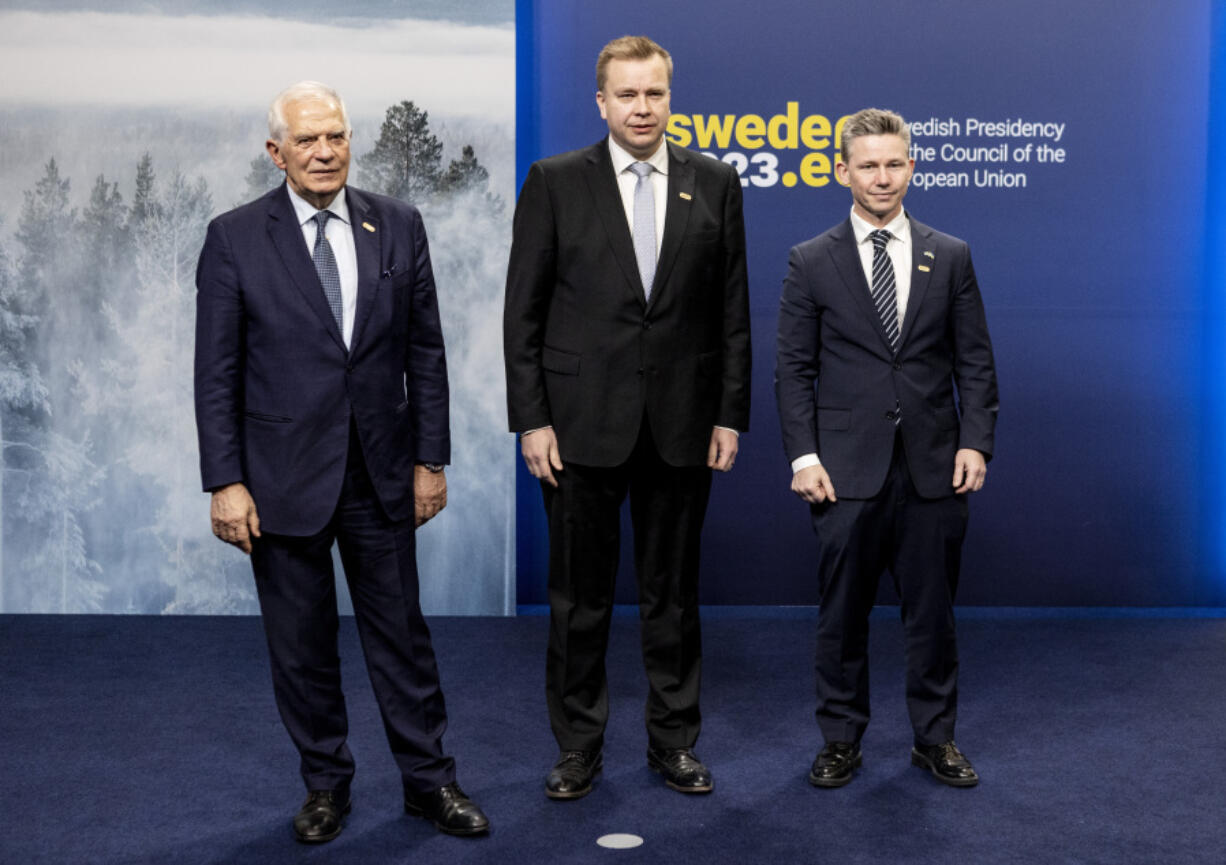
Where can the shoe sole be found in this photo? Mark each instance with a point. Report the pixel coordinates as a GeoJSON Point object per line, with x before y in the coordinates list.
{"type": "Point", "coordinates": [321, 839]}
{"type": "Point", "coordinates": [818, 781]}
{"type": "Point", "coordinates": [918, 759]}
{"type": "Point", "coordinates": [563, 795]}
{"type": "Point", "coordinates": [417, 812]}
{"type": "Point", "coordinates": [679, 788]}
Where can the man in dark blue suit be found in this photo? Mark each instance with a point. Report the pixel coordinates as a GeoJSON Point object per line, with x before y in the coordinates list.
{"type": "Point", "coordinates": [879, 322]}
{"type": "Point", "coordinates": [322, 412]}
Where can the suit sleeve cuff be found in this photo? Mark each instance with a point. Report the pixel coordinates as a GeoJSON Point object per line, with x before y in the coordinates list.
{"type": "Point", "coordinates": [736, 433]}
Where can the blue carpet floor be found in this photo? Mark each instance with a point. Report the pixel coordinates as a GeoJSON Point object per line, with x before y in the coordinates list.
{"type": "Point", "coordinates": [155, 740]}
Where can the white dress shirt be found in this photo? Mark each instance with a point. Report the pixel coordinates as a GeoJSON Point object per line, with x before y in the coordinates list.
{"type": "Point", "coordinates": [627, 180]}
{"type": "Point", "coordinates": [899, 250]}
{"type": "Point", "coordinates": [339, 232]}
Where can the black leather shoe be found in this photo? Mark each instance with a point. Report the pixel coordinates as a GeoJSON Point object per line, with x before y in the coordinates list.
{"type": "Point", "coordinates": [946, 763]}
{"type": "Point", "coordinates": [835, 764]}
{"type": "Point", "coordinates": [681, 769]}
{"type": "Point", "coordinates": [448, 809]}
{"type": "Point", "coordinates": [321, 815]}
{"type": "Point", "coordinates": [571, 777]}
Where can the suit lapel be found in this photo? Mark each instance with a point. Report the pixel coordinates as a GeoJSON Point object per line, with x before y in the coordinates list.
{"type": "Point", "coordinates": [367, 243]}
{"type": "Point", "coordinates": [286, 236]}
{"type": "Point", "coordinates": [676, 215]}
{"type": "Point", "coordinates": [923, 258]}
{"type": "Point", "coordinates": [847, 261]}
{"type": "Point", "coordinates": [606, 197]}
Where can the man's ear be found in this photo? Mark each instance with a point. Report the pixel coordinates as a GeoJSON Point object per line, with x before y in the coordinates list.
{"type": "Point", "coordinates": [274, 150]}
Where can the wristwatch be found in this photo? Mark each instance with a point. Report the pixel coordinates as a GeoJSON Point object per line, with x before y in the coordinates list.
{"type": "Point", "coordinates": [432, 467]}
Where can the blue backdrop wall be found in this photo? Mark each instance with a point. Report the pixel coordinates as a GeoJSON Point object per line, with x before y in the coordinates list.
{"type": "Point", "coordinates": [1090, 232]}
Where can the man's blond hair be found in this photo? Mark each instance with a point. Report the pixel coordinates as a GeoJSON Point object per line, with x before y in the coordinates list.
{"type": "Point", "coordinates": [630, 48]}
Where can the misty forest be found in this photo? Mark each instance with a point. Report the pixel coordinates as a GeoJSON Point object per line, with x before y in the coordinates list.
{"type": "Point", "coordinates": [100, 502]}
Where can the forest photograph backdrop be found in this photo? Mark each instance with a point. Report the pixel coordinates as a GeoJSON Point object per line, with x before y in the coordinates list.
{"type": "Point", "coordinates": [122, 133]}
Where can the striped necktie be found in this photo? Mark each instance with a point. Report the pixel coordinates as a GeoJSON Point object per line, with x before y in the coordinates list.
{"type": "Point", "coordinates": [885, 294]}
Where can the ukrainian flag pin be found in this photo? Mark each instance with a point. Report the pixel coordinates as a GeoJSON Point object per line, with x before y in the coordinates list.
{"type": "Point", "coordinates": [368, 227]}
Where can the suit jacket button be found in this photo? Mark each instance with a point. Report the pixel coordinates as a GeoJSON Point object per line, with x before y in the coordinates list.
{"type": "Point", "coordinates": [897, 365]}
{"type": "Point", "coordinates": [889, 415]}
{"type": "Point", "coordinates": [646, 325]}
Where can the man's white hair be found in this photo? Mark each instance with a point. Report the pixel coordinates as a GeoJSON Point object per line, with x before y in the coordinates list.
{"type": "Point", "coordinates": [278, 126]}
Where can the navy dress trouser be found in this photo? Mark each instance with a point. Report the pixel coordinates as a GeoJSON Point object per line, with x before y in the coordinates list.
{"type": "Point", "coordinates": [297, 589]}
{"type": "Point", "coordinates": [919, 541]}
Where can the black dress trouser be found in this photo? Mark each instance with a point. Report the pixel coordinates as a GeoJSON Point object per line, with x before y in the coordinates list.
{"type": "Point", "coordinates": [667, 507]}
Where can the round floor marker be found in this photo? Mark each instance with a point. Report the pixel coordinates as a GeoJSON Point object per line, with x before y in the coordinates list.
{"type": "Point", "coordinates": [619, 841]}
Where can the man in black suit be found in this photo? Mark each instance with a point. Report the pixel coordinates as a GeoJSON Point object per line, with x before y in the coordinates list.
{"type": "Point", "coordinates": [322, 412]}
{"type": "Point", "coordinates": [884, 316]}
{"type": "Point", "coordinates": [627, 354]}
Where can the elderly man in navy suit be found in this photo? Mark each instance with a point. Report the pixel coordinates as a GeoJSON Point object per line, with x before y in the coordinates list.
{"type": "Point", "coordinates": [880, 321]}
{"type": "Point", "coordinates": [322, 412]}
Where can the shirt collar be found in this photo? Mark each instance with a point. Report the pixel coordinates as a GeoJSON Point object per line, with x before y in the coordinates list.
{"type": "Point", "coordinates": [898, 226]}
{"type": "Point", "coordinates": [305, 211]}
{"type": "Point", "coordinates": [623, 160]}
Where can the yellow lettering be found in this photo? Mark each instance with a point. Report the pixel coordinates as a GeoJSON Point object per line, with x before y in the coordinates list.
{"type": "Point", "coordinates": [714, 126]}
{"type": "Point", "coordinates": [749, 131]}
{"type": "Point", "coordinates": [815, 169]}
{"type": "Point", "coordinates": [815, 132]}
{"type": "Point", "coordinates": [677, 132]}
{"type": "Point", "coordinates": [780, 121]}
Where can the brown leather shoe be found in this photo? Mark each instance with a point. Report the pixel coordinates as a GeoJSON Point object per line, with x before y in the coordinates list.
{"type": "Point", "coordinates": [946, 763]}
{"type": "Point", "coordinates": [682, 771]}
{"type": "Point", "coordinates": [449, 809]}
{"type": "Point", "coordinates": [835, 764]}
{"type": "Point", "coordinates": [321, 816]}
{"type": "Point", "coordinates": [571, 777]}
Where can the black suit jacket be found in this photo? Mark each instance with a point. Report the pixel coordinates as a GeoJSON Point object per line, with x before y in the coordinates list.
{"type": "Point", "coordinates": [275, 385]}
{"type": "Point", "coordinates": [831, 335]}
{"type": "Point", "coordinates": [586, 352]}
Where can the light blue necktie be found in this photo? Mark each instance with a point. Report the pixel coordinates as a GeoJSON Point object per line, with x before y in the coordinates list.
{"type": "Point", "coordinates": [325, 266]}
{"type": "Point", "coordinates": [645, 225]}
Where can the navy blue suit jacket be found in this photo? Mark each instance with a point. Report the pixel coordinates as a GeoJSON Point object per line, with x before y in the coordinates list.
{"type": "Point", "coordinates": [837, 382]}
{"type": "Point", "coordinates": [276, 388]}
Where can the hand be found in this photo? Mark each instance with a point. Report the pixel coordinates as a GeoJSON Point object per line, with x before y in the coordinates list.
{"type": "Point", "coordinates": [721, 453]}
{"type": "Point", "coordinates": [540, 448]}
{"type": "Point", "coordinates": [813, 484]}
{"type": "Point", "coordinates": [234, 518]}
{"type": "Point", "coordinates": [970, 470]}
{"type": "Point", "coordinates": [429, 494]}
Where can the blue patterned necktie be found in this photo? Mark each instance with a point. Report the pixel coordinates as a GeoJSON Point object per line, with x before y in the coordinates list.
{"type": "Point", "coordinates": [885, 294]}
{"type": "Point", "coordinates": [325, 266]}
{"type": "Point", "coordinates": [645, 225]}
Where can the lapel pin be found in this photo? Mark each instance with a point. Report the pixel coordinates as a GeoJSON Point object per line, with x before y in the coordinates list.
{"type": "Point", "coordinates": [925, 268]}
{"type": "Point", "coordinates": [930, 255]}
{"type": "Point", "coordinates": [686, 196]}
{"type": "Point", "coordinates": [368, 227]}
